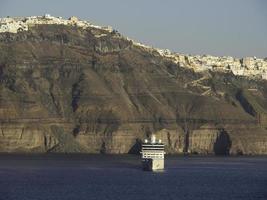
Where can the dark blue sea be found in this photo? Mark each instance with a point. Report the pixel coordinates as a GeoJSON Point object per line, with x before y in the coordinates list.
{"type": "Point", "coordinates": [78, 177]}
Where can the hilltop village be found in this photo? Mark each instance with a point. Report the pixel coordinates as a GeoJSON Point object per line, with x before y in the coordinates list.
{"type": "Point", "coordinates": [250, 67]}
{"type": "Point", "coordinates": [17, 24]}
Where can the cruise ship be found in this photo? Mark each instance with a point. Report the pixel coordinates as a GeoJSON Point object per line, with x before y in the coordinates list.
{"type": "Point", "coordinates": [152, 154]}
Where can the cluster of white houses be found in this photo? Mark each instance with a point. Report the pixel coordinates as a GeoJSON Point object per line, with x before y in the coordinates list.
{"type": "Point", "coordinates": [251, 67]}
{"type": "Point", "coordinates": [16, 24]}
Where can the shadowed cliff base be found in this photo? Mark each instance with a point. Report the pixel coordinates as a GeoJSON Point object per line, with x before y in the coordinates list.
{"type": "Point", "coordinates": [136, 148]}
{"type": "Point", "coordinates": [222, 144]}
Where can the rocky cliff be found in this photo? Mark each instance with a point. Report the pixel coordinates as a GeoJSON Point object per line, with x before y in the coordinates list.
{"type": "Point", "coordinates": [70, 86]}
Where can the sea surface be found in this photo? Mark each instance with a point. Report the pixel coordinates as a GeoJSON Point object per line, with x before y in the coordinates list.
{"type": "Point", "coordinates": [78, 177]}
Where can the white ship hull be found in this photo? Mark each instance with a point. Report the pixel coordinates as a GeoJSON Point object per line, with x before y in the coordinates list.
{"type": "Point", "coordinates": [152, 164]}
{"type": "Point", "coordinates": [153, 154]}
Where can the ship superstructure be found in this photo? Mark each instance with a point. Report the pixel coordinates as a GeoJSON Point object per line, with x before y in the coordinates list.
{"type": "Point", "coordinates": [153, 154]}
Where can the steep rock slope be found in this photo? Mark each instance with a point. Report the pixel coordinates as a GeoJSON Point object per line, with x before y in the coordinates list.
{"type": "Point", "coordinates": [72, 89]}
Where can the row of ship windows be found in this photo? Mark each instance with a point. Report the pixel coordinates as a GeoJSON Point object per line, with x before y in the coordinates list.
{"type": "Point", "coordinates": [153, 149]}
{"type": "Point", "coordinates": [153, 157]}
{"type": "Point", "coordinates": [152, 145]}
{"type": "Point", "coordinates": [152, 153]}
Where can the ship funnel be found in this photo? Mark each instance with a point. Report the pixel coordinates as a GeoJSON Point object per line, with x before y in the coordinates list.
{"type": "Point", "coordinates": [153, 139]}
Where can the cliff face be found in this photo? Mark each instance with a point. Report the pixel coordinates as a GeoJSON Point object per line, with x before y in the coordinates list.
{"type": "Point", "coordinates": [68, 88]}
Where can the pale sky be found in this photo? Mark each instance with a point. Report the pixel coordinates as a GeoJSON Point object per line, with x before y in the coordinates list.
{"type": "Point", "coordinates": [217, 27]}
